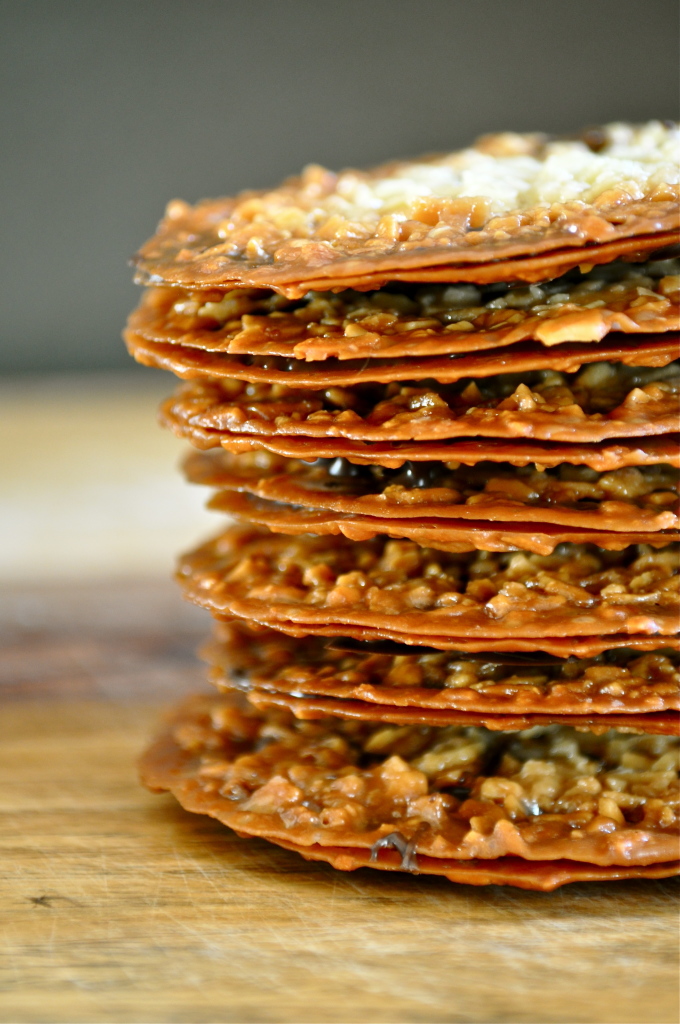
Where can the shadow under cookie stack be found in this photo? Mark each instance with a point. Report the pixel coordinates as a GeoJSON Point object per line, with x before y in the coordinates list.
{"type": "Point", "coordinates": [439, 398]}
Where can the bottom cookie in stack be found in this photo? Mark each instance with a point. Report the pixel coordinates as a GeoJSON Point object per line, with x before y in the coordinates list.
{"type": "Point", "coordinates": [535, 808]}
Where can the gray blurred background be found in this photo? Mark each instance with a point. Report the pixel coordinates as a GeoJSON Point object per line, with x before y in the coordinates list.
{"type": "Point", "coordinates": [110, 109]}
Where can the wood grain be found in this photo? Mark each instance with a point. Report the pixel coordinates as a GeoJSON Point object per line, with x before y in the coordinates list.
{"type": "Point", "coordinates": [117, 906]}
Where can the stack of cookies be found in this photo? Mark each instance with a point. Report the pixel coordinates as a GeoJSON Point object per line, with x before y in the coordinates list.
{"type": "Point", "coordinates": [439, 399]}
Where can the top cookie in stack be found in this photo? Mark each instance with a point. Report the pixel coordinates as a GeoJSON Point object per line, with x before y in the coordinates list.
{"type": "Point", "coordinates": [443, 396]}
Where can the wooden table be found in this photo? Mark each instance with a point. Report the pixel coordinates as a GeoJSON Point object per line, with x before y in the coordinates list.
{"type": "Point", "coordinates": [116, 905]}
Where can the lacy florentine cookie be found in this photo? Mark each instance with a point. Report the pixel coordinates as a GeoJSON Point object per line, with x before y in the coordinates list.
{"type": "Point", "coordinates": [626, 499]}
{"type": "Point", "coordinates": [444, 535]}
{"type": "Point", "coordinates": [512, 207]}
{"type": "Point", "coordinates": [615, 454]}
{"type": "Point", "coordinates": [644, 451]}
{"type": "Point", "coordinates": [560, 647]}
{"type": "Point", "coordinates": [414, 323]}
{"type": "Point", "coordinates": [450, 793]}
{"type": "Point", "coordinates": [618, 681]}
{"type": "Point", "coordinates": [659, 723]}
{"type": "Point", "coordinates": [646, 350]}
{"type": "Point", "coordinates": [601, 402]}
{"type": "Point", "coordinates": [396, 585]}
